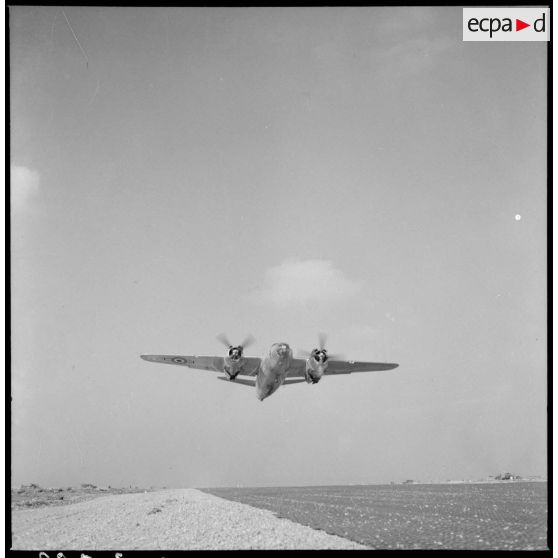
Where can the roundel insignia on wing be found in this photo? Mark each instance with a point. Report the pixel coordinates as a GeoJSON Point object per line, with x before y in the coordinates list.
{"type": "Point", "coordinates": [179, 360]}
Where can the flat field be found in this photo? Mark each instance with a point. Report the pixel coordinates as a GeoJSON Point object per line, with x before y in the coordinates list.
{"type": "Point", "coordinates": [501, 515]}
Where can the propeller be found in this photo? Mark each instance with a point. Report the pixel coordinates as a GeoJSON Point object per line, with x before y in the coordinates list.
{"type": "Point", "coordinates": [249, 340]}
{"type": "Point", "coordinates": [322, 338]}
{"type": "Point", "coordinates": [223, 338]}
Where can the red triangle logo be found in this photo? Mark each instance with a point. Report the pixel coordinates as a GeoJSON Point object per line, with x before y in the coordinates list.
{"type": "Point", "coordinates": [519, 25]}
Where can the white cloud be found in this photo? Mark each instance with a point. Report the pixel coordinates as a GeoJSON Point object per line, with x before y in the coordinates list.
{"type": "Point", "coordinates": [24, 185]}
{"type": "Point", "coordinates": [300, 282]}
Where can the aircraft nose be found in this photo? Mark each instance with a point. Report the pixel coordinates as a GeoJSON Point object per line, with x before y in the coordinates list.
{"type": "Point", "coordinates": [283, 349]}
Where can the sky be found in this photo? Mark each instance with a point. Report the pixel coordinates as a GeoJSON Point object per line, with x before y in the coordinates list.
{"type": "Point", "coordinates": [177, 173]}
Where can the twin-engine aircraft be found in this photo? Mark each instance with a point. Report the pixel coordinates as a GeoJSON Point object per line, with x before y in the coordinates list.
{"type": "Point", "coordinates": [278, 367]}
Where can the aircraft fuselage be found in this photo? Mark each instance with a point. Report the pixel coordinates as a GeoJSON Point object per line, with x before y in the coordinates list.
{"type": "Point", "coordinates": [273, 370]}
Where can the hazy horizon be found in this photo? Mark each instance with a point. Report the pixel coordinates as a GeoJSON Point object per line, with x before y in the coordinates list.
{"type": "Point", "coordinates": [487, 478]}
{"type": "Point", "coordinates": [177, 173]}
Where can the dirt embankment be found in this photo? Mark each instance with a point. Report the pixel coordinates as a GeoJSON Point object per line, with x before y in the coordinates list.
{"type": "Point", "coordinates": [178, 519]}
{"type": "Point", "coordinates": [35, 496]}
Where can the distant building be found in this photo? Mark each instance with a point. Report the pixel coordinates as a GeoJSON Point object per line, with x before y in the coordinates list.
{"type": "Point", "coordinates": [507, 476]}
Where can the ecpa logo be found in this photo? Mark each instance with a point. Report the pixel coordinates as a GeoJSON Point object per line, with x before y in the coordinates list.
{"type": "Point", "coordinates": [506, 24]}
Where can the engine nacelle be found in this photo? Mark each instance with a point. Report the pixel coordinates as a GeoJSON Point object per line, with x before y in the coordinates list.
{"type": "Point", "coordinates": [233, 362]}
{"type": "Point", "coordinates": [316, 365]}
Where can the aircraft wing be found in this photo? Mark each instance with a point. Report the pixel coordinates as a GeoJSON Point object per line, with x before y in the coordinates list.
{"type": "Point", "coordinates": [298, 367]}
{"type": "Point", "coordinates": [214, 363]}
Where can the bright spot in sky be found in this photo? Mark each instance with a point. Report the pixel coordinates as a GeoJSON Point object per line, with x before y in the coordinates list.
{"type": "Point", "coordinates": [518, 217]}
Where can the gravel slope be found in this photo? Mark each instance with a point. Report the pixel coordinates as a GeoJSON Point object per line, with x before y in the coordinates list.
{"type": "Point", "coordinates": [178, 519]}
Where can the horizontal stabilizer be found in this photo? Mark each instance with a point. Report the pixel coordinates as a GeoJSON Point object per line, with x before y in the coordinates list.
{"type": "Point", "coordinates": [240, 381]}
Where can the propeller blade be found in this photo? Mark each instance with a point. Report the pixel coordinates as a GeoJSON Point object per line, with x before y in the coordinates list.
{"type": "Point", "coordinates": [223, 338]}
{"type": "Point", "coordinates": [248, 341]}
{"type": "Point", "coordinates": [322, 337]}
